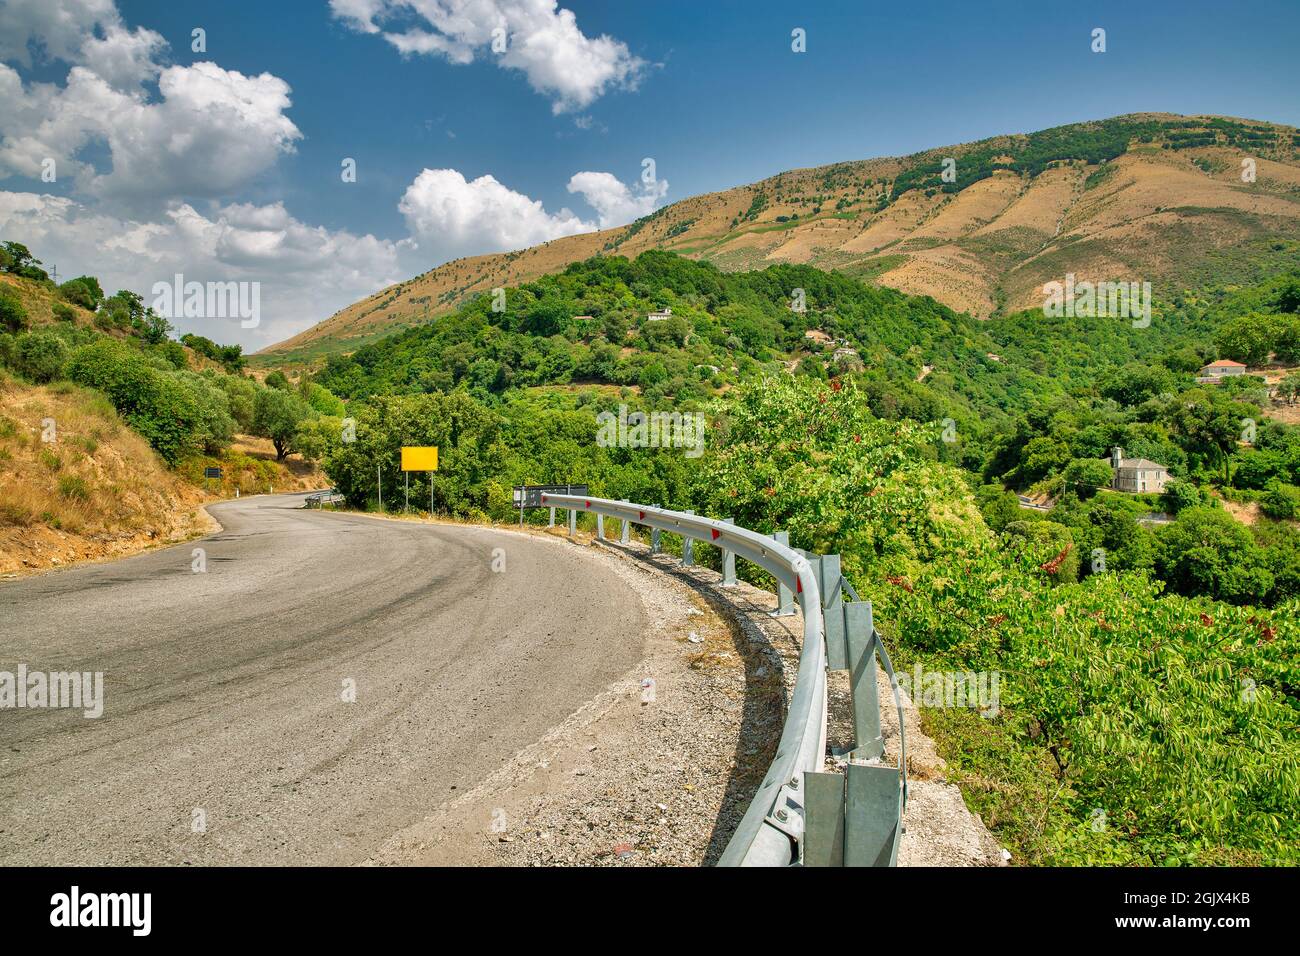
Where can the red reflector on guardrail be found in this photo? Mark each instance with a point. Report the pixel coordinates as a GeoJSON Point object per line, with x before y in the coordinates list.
{"type": "Point", "coordinates": [716, 533]}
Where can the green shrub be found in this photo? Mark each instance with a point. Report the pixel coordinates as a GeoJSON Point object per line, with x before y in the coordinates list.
{"type": "Point", "coordinates": [83, 291]}
{"type": "Point", "coordinates": [154, 403]}
{"type": "Point", "coordinates": [74, 488]}
{"type": "Point", "coordinates": [13, 314]}
{"type": "Point", "coordinates": [1280, 501]}
{"type": "Point", "coordinates": [40, 356]}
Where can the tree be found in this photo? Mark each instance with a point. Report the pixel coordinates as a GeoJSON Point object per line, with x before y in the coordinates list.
{"type": "Point", "coordinates": [276, 379]}
{"type": "Point", "coordinates": [998, 506]}
{"type": "Point", "coordinates": [214, 425]}
{"type": "Point", "coordinates": [1208, 552]}
{"type": "Point", "coordinates": [84, 291]}
{"type": "Point", "coordinates": [1084, 476]}
{"type": "Point", "coordinates": [18, 260]}
{"type": "Point", "coordinates": [1248, 338]}
{"type": "Point", "coordinates": [241, 396]}
{"type": "Point", "coordinates": [128, 301]}
{"type": "Point", "coordinates": [1180, 494]}
{"type": "Point", "coordinates": [1046, 545]}
{"type": "Point", "coordinates": [1286, 343]}
{"type": "Point", "coordinates": [1280, 501]}
{"type": "Point", "coordinates": [40, 356]}
{"type": "Point", "coordinates": [278, 415]}
{"type": "Point", "coordinates": [1208, 423]}
{"type": "Point", "coordinates": [470, 452]}
{"type": "Point", "coordinates": [321, 399]}
{"type": "Point", "coordinates": [1289, 388]}
{"type": "Point", "coordinates": [317, 438]}
{"type": "Point", "coordinates": [1288, 296]}
{"type": "Point", "coordinates": [13, 315]}
{"type": "Point", "coordinates": [1136, 382]}
{"type": "Point", "coordinates": [153, 402]}
{"type": "Point", "coordinates": [152, 327]}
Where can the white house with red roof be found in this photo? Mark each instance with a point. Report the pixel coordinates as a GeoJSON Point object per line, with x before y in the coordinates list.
{"type": "Point", "coordinates": [1219, 369]}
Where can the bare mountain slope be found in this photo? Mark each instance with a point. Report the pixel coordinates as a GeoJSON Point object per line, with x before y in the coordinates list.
{"type": "Point", "coordinates": [1145, 197]}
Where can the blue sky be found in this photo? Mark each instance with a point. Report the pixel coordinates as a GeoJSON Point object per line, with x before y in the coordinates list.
{"type": "Point", "coordinates": [228, 179]}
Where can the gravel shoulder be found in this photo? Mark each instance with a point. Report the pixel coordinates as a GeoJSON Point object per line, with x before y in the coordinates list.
{"type": "Point", "coordinates": [641, 779]}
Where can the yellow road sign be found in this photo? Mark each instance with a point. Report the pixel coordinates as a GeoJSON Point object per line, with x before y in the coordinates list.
{"type": "Point", "coordinates": [419, 459]}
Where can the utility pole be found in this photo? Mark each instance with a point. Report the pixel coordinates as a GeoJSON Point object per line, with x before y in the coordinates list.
{"type": "Point", "coordinates": [379, 475]}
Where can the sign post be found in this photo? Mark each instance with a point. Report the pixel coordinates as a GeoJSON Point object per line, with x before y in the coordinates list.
{"type": "Point", "coordinates": [419, 458]}
{"type": "Point", "coordinates": [209, 474]}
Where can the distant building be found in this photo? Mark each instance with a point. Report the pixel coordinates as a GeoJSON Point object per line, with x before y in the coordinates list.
{"type": "Point", "coordinates": [1223, 368]}
{"type": "Point", "coordinates": [660, 316]}
{"type": "Point", "coordinates": [844, 352]}
{"type": "Point", "coordinates": [1137, 475]}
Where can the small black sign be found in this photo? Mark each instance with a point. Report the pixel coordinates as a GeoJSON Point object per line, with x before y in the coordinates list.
{"type": "Point", "coordinates": [530, 496]}
{"type": "Point", "coordinates": [211, 472]}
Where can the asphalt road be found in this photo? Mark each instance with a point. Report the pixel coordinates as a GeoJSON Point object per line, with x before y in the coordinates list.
{"type": "Point", "coordinates": [224, 689]}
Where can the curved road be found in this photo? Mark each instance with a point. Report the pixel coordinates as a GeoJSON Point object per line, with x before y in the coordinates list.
{"type": "Point", "coordinates": [224, 690]}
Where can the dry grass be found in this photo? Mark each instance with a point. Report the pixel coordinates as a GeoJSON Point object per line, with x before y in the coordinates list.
{"type": "Point", "coordinates": [95, 490]}
{"type": "Point", "coordinates": [39, 301]}
{"type": "Point", "coordinates": [993, 244]}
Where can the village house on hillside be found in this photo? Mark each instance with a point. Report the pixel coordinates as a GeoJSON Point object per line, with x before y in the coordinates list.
{"type": "Point", "coordinates": [1222, 368]}
{"type": "Point", "coordinates": [660, 316]}
{"type": "Point", "coordinates": [1137, 475]}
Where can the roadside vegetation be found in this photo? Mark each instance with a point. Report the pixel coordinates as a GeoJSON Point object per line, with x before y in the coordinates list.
{"type": "Point", "coordinates": [109, 421]}
{"type": "Point", "coordinates": [1154, 690]}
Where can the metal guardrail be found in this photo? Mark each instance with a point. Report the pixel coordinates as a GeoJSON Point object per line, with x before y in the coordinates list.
{"type": "Point", "coordinates": [323, 498]}
{"type": "Point", "coordinates": [799, 814]}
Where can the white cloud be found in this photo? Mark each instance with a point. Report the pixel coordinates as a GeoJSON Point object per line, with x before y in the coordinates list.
{"type": "Point", "coordinates": [451, 216]}
{"type": "Point", "coordinates": [87, 32]}
{"type": "Point", "coordinates": [454, 217]}
{"type": "Point", "coordinates": [616, 204]}
{"type": "Point", "coordinates": [124, 58]}
{"type": "Point", "coordinates": [543, 41]}
{"type": "Point", "coordinates": [306, 272]}
{"type": "Point", "coordinates": [57, 29]}
{"type": "Point", "coordinates": [210, 132]}
{"type": "Point", "coordinates": [213, 131]}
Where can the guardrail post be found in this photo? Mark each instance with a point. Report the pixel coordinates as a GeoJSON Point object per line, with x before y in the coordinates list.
{"type": "Point", "coordinates": [828, 580]}
{"type": "Point", "coordinates": [573, 522]}
{"type": "Point", "coordinates": [600, 527]}
{"type": "Point", "coordinates": [872, 815]}
{"type": "Point", "coordinates": [861, 646]}
{"type": "Point", "coordinates": [625, 535]}
{"type": "Point", "coordinates": [823, 819]}
{"type": "Point", "coordinates": [656, 545]}
{"type": "Point", "coordinates": [688, 548]}
{"type": "Point", "coordinates": [853, 818]}
{"type": "Point", "coordinates": [784, 596]}
{"type": "Point", "coordinates": [728, 563]}
{"type": "Point", "coordinates": [552, 522]}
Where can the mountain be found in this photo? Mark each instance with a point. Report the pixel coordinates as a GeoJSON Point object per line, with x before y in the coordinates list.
{"type": "Point", "coordinates": [1144, 197]}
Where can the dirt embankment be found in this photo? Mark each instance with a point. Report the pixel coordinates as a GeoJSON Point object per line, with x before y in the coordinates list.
{"type": "Point", "coordinates": [77, 484]}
